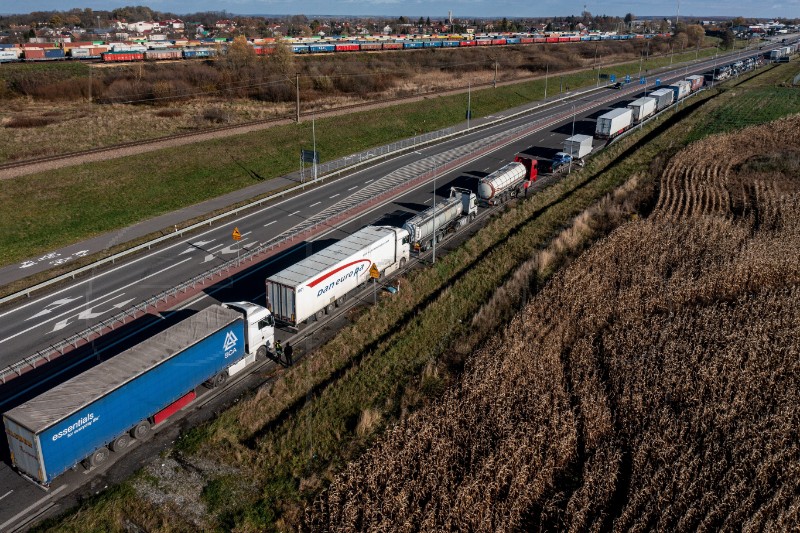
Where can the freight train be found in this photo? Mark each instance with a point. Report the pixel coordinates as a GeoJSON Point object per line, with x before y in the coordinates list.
{"type": "Point", "coordinates": [209, 48]}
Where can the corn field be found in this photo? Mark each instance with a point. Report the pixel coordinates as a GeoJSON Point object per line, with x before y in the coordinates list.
{"type": "Point", "coordinates": [653, 384]}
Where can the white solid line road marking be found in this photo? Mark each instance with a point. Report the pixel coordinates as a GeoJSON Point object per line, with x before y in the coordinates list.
{"type": "Point", "coordinates": [334, 196]}
{"type": "Point", "coordinates": [312, 205]}
{"type": "Point", "coordinates": [4, 525]}
{"type": "Point", "coordinates": [351, 188]}
{"type": "Point", "coordinates": [137, 282]}
{"type": "Point", "coordinates": [268, 223]}
{"type": "Point", "coordinates": [215, 247]}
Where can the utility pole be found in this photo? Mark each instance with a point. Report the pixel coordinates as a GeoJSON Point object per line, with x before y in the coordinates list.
{"type": "Point", "coordinates": [314, 141]}
{"type": "Point", "coordinates": [297, 86]}
{"type": "Point", "coordinates": [547, 71]}
{"type": "Point", "coordinates": [494, 83]}
{"type": "Point", "coordinates": [469, 102]}
{"type": "Point", "coordinates": [433, 261]}
{"type": "Point", "coordinates": [571, 151]}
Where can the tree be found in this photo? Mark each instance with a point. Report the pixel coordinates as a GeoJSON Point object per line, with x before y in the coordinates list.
{"type": "Point", "coordinates": [428, 21]}
{"type": "Point", "coordinates": [738, 21]}
{"type": "Point", "coordinates": [504, 24]}
{"type": "Point", "coordinates": [681, 40]}
{"type": "Point", "coordinates": [282, 59]}
{"type": "Point", "coordinates": [240, 54]}
{"type": "Point", "coordinates": [695, 34]}
{"type": "Point", "coordinates": [56, 21]}
{"type": "Point", "coordinates": [728, 39]}
{"type": "Point", "coordinates": [629, 18]}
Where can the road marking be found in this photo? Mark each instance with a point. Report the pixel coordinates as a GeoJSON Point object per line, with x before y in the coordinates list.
{"type": "Point", "coordinates": [215, 247]}
{"type": "Point", "coordinates": [269, 223]}
{"type": "Point", "coordinates": [368, 181]}
{"type": "Point", "coordinates": [194, 246]}
{"type": "Point", "coordinates": [428, 200]}
{"type": "Point", "coordinates": [137, 282]}
{"type": "Point", "coordinates": [334, 196]}
{"type": "Point", "coordinates": [6, 494]}
{"type": "Point", "coordinates": [317, 203]}
{"type": "Point", "coordinates": [351, 188]}
{"type": "Point", "coordinates": [4, 525]}
{"type": "Point", "coordinates": [246, 234]}
{"type": "Point", "coordinates": [50, 307]}
{"type": "Point", "coordinates": [292, 214]}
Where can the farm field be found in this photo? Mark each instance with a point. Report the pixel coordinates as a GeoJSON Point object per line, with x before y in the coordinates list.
{"type": "Point", "coordinates": [651, 385]}
{"type": "Point", "coordinates": [382, 382]}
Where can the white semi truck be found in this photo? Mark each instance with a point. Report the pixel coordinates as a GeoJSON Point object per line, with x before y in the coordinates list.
{"type": "Point", "coordinates": [314, 286]}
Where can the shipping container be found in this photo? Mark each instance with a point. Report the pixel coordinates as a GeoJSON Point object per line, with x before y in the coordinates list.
{"type": "Point", "coordinates": [611, 124]}
{"type": "Point", "coordinates": [696, 82]}
{"type": "Point", "coordinates": [116, 399]}
{"type": "Point", "coordinates": [643, 108]}
{"type": "Point", "coordinates": [7, 55]}
{"type": "Point", "coordinates": [307, 290]}
{"type": "Point", "coordinates": [664, 98]}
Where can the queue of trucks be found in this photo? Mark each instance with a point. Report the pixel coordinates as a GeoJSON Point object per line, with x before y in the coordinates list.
{"type": "Point", "coordinates": [102, 411]}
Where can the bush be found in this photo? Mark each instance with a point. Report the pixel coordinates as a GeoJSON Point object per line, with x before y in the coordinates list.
{"type": "Point", "coordinates": [29, 122]}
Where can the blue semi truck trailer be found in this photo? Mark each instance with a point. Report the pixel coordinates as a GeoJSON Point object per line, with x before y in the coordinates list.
{"type": "Point", "coordinates": [103, 409]}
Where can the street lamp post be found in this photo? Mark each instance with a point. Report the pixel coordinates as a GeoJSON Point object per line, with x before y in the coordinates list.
{"type": "Point", "coordinates": [546, 72]}
{"type": "Point", "coordinates": [469, 102]}
{"type": "Point", "coordinates": [433, 260]}
{"type": "Point", "coordinates": [571, 150]}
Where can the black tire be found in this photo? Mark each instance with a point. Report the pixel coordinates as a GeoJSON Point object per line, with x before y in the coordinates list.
{"type": "Point", "coordinates": [120, 443]}
{"type": "Point", "coordinates": [218, 380]}
{"type": "Point", "coordinates": [141, 430]}
{"type": "Point", "coordinates": [261, 353]}
{"type": "Point", "coordinates": [330, 308]}
{"type": "Point", "coordinates": [319, 314]}
{"type": "Point", "coordinates": [402, 263]}
{"type": "Point", "coordinates": [99, 457]}
{"type": "Point", "coordinates": [340, 301]}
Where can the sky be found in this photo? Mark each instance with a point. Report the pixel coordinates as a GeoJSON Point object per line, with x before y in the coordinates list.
{"type": "Point", "coordinates": [438, 9]}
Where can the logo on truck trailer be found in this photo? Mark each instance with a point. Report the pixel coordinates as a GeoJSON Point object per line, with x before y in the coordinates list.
{"type": "Point", "coordinates": [362, 265]}
{"type": "Point", "coordinates": [79, 425]}
{"type": "Point", "coordinates": [229, 347]}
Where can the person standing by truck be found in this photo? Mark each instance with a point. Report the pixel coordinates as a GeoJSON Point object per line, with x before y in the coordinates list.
{"type": "Point", "coordinates": [289, 351]}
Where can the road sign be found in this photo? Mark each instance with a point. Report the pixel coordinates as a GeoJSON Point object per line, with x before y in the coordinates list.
{"type": "Point", "coordinates": [658, 82]}
{"type": "Point", "coordinates": [309, 156]}
{"type": "Point", "coordinates": [374, 272]}
{"type": "Point", "coordinates": [612, 78]}
{"type": "Point", "coordinates": [642, 81]}
{"type": "Point", "coordinates": [236, 235]}
{"type": "Point", "coordinates": [627, 78]}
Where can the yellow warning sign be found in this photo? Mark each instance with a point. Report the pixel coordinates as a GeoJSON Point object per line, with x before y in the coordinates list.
{"type": "Point", "coordinates": [374, 272]}
{"type": "Point", "coordinates": [236, 235]}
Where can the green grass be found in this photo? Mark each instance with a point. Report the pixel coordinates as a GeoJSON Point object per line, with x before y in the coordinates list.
{"type": "Point", "coordinates": [760, 100]}
{"type": "Point", "coordinates": [41, 212]}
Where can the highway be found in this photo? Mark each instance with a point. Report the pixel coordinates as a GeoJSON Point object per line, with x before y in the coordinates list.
{"type": "Point", "coordinates": [34, 324]}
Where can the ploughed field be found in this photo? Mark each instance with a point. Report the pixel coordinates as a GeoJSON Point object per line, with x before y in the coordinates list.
{"type": "Point", "coordinates": [653, 384]}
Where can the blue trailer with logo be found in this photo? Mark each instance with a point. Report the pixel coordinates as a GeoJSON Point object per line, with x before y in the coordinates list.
{"type": "Point", "coordinates": [109, 405]}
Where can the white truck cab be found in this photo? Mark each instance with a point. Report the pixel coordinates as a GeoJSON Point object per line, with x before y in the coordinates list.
{"type": "Point", "coordinates": [259, 330]}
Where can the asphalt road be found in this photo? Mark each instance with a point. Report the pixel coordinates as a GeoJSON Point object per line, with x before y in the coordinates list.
{"type": "Point", "coordinates": [34, 324]}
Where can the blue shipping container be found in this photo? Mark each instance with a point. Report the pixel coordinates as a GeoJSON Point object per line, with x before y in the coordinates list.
{"type": "Point", "coordinates": [54, 53]}
{"type": "Point", "coordinates": [59, 428]}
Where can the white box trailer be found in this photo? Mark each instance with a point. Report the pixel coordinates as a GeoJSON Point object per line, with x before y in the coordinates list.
{"type": "Point", "coordinates": [578, 146]}
{"type": "Point", "coordinates": [643, 108]}
{"type": "Point", "coordinates": [613, 123]}
{"type": "Point", "coordinates": [308, 289]}
{"type": "Point", "coordinates": [664, 98]}
{"type": "Point", "coordinates": [681, 89]}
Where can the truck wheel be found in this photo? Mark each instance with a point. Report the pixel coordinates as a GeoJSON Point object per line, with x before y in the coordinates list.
{"type": "Point", "coordinates": [319, 314]}
{"type": "Point", "coordinates": [402, 263]}
{"type": "Point", "coordinates": [340, 301]}
{"type": "Point", "coordinates": [261, 353]}
{"type": "Point", "coordinates": [329, 308]}
{"type": "Point", "coordinates": [120, 443]}
{"type": "Point", "coordinates": [141, 430]}
{"type": "Point", "coordinates": [98, 457]}
{"type": "Point", "coordinates": [217, 380]}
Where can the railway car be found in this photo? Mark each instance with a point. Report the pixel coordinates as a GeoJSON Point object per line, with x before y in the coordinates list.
{"type": "Point", "coordinates": [392, 46]}
{"type": "Point", "coordinates": [162, 54]}
{"type": "Point", "coordinates": [300, 49]}
{"type": "Point", "coordinates": [468, 43]}
{"type": "Point", "coordinates": [121, 57]}
{"type": "Point", "coordinates": [370, 46]}
{"type": "Point", "coordinates": [326, 47]}
{"type": "Point", "coordinates": [8, 55]}
{"type": "Point", "coordinates": [412, 44]}
{"type": "Point", "coordinates": [348, 47]}
{"type": "Point", "coordinates": [450, 44]}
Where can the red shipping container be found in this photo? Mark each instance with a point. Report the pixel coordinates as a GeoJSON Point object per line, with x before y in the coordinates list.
{"type": "Point", "coordinates": [174, 407]}
{"type": "Point", "coordinates": [33, 53]}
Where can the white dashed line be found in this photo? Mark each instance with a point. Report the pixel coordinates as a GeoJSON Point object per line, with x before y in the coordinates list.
{"type": "Point", "coordinates": [368, 181]}
{"type": "Point", "coordinates": [268, 223]}
{"type": "Point", "coordinates": [334, 196]}
{"type": "Point", "coordinates": [292, 214]}
{"type": "Point", "coordinates": [312, 205]}
{"type": "Point", "coordinates": [351, 188]}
